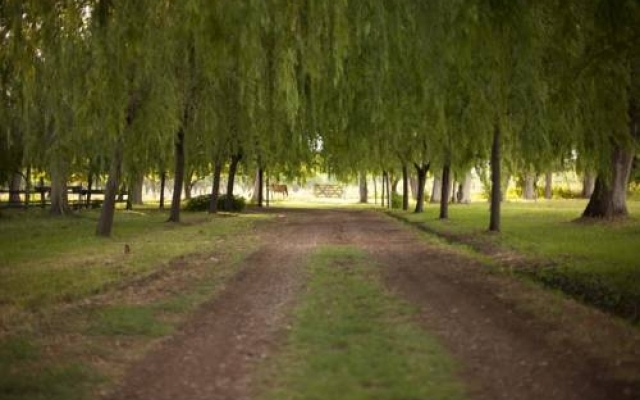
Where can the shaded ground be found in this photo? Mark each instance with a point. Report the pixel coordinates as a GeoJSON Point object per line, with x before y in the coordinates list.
{"type": "Point", "coordinates": [512, 340]}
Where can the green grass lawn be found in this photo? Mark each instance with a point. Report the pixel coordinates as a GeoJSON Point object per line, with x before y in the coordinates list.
{"type": "Point", "coordinates": [351, 340]}
{"type": "Point", "coordinates": [73, 306]}
{"type": "Point", "coordinates": [598, 262]}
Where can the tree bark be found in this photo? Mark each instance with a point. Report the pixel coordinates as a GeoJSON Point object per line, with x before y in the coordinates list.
{"type": "Point", "coordinates": [436, 191]}
{"type": "Point", "coordinates": [215, 187]}
{"type": "Point", "coordinates": [14, 186]}
{"type": "Point", "coordinates": [548, 185]}
{"type": "Point", "coordinates": [496, 191]}
{"type": "Point", "coordinates": [609, 197]}
{"type": "Point", "coordinates": [163, 184]}
{"type": "Point", "coordinates": [364, 192]}
{"type": "Point", "coordinates": [135, 189]}
{"type": "Point", "coordinates": [89, 187]}
{"type": "Point", "coordinates": [413, 183]}
{"type": "Point", "coordinates": [421, 170]}
{"type": "Point", "coordinates": [260, 186]}
{"type": "Point", "coordinates": [388, 181]}
{"type": "Point", "coordinates": [105, 223]}
{"type": "Point", "coordinates": [465, 194]}
{"type": "Point", "coordinates": [529, 190]}
{"type": "Point", "coordinates": [59, 198]}
{"type": "Point", "coordinates": [178, 179]}
{"type": "Point", "coordinates": [444, 195]}
{"type": "Point", "coordinates": [233, 168]}
{"type": "Point", "coordinates": [188, 185]}
{"type": "Point", "coordinates": [405, 187]}
{"type": "Point", "coordinates": [588, 184]}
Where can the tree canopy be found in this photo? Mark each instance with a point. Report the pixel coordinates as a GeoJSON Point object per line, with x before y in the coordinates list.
{"type": "Point", "coordinates": [120, 86]}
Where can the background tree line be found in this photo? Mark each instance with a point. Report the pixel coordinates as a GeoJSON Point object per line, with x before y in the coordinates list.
{"type": "Point", "coordinates": [130, 88]}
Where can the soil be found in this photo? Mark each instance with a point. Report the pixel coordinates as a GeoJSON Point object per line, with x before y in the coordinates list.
{"type": "Point", "coordinates": [511, 340]}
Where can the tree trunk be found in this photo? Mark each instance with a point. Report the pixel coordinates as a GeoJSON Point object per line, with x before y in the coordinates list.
{"type": "Point", "coordinates": [465, 189]}
{"type": "Point", "coordinates": [609, 197]}
{"type": "Point", "coordinates": [163, 183]}
{"type": "Point", "coordinates": [529, 189]}
{"type": "Point", "coordinates": [215, 187]}
{"type": "Point", "coordinates": [375, 190]}
{"type": "Point", "coordinates": [548, 185]}
{"type": "Point", "coordinates": [444, 194]}
{"type": "Point", "coordinates": [413, 183]}
{"type": "Point", "coordinates": [188, 185]}
{"type": "Point", "coordinates": [453, 188]}
{"type": "Point", "coordinates": [496, 191]}
{"type": "Point", "coordinates": [405, 187]}
{"type": "Point", "coordinates": [135, 189]}
{"type": "Point", "coordinates": [422, 170]}
{"type": "Point", "coordinates": [436, 191]}
{"type": "Point", "coordinates": [89, 187]}
{"type": "Point", "coordinates": [388, 181]}
{"type": "Point", "coordinates": [254, 195]}
{"type": "Point", "coordinates": [364, 192]}
{"type": "Point", "coordinates": [27, 188]}
{"type": "Point", "coordinates": [59, 199]}
{"type": "Point", "coordinates": [588, 184]}
{"type": "Point", "coordinates": [105, 223]}
{"type": "Point", "coordinates": [260, 186]}
{"type": "Point", "coordinates": [233, 168]}
{"type": "Point", "coordinates": [178, 179]}
{"type": "Point", "coordinates": [14, 188]}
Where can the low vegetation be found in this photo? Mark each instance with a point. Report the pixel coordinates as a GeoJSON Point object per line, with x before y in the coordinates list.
{"type": "Point", "coordinates": [353, 340]}
{"type": "Point", "coordinates": [596, 262]}
{"type": "Point", "coordinates": [76, 309]}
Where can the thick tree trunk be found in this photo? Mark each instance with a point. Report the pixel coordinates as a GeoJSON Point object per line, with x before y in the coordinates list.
{"type": "Point", "coordinates": [496, 191]}
{"type": "Point", "coordinates": [105, 223]}
{"type": "Point", "coordinates": [135, 189]}
{"type": "Point", "coordinates": [529, 189]}
{"type": "Point", "coordinates": [421, 170]}
{"type": "Point", "coordinates": [178, 179]}
{"type": "Point", "coordinates": [588, 184]}
{"type": "Point", "coordinates": [14, 186]}
{"type": "Point", "coordinates": [383, 191]}
{"type": "Point", "coordinates": [364, 192]}
{"type": "Point", "coordinates": [609, 197]}
{"type": "Point", "coordinates": [444, 193]}
{"type": "Point", "coordinates": [548, 185]}
{"type": "Point", "coordinates": [163, 184]}
{"type": "Point", "coordinates": [465, 194]}
{"type": "Point", "coordinates": [215, 187]}
{"type": "Point", "coordinates": [59, 199]}
{"type": "Point", "coordinates": [233, 168]}
{"type": "Point", "coordinates": [405, 187]}
{"type": "Point", "coordinates": [436, 191]}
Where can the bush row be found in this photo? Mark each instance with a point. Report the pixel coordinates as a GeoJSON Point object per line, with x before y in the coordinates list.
{"type": "Point", "coordinates": [201, 203]}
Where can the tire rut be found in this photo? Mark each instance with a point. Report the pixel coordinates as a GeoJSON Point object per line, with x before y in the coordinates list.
{"type": "Point", "coordinates": [215, 353]}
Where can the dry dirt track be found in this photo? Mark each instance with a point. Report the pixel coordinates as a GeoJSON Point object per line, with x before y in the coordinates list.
{"type": "Point", "coordinates": [503, 352]}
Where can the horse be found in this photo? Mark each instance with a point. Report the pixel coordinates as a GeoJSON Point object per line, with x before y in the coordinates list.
{"type": "Point", "coordinates": [278, 188]}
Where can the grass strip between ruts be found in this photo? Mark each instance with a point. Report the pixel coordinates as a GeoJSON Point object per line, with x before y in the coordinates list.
{"type": "Point", "coordinates": [351, 339]}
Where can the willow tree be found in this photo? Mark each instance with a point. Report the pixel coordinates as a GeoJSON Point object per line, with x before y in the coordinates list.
{"type": "Point", "coordinates": [607, 67]}
{"type": "Point", "coordinates": [132, 85]}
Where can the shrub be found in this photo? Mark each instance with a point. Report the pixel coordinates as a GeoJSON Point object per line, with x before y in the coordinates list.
{"type": "Point", "coordinates": [201, 203]}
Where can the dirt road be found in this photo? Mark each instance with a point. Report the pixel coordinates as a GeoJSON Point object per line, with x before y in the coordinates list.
{"type": "Point", "coordinates": [505, 351]}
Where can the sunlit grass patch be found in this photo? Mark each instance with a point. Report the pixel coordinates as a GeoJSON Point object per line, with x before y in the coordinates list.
{"type": "Point", "coordinates": [353, 340]}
